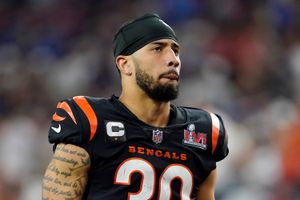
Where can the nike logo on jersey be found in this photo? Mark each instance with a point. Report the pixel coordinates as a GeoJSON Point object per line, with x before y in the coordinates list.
{"type": "Point", "coordinates": [58, 129]}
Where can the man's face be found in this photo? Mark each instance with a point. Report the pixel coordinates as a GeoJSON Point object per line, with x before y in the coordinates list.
{"type": "Point", "coordinates": [157, 67]}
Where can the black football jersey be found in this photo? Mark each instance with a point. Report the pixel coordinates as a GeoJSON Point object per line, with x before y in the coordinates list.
{"type": "Point", "coordinates": [133, 160]}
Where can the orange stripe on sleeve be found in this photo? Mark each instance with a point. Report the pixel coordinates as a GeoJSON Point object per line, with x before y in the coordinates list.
{"type": "Point", "coordinates": [215, 131]}
{"type": "Point", "coordinates": [89, 113]}
{"type": "Point", "coordinates": [57, 118]}
{"type": "Point", "coordinates": [65, 106]}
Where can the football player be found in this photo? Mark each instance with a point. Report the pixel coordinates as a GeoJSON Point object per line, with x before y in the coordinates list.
{"type": "Point", "coordinates": [138, 145]}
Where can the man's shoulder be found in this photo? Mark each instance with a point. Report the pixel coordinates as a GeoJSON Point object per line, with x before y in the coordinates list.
{"type": "Point", "coordinates": [82, 101]}
{"type": "Point", "coordinates": [191, 113]}
{"type": "Point", "coordinates": [212, 124]}
{"type": "Point", "coordinates": [76, 116]}
{"type": "Point", "coordinates": [97, 101]}
{"type": "Point", "coordinates": [89, 104]}
{"type": "Point", "coordinates": [193, 110]}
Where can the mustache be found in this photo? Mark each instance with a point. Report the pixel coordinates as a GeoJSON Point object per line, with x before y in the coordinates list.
{"type": "Point", "coordinates": [170, 72]}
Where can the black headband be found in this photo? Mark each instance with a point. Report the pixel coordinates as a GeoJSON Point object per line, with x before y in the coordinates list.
{"type": "Point", "coordinates": [137, 33]}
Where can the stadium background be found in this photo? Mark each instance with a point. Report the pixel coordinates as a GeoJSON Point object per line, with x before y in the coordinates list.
{"type": "Point", "coordinates": [241, 59]}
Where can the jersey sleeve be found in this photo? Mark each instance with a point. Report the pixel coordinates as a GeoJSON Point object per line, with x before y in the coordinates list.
{"type": "Point", "coordinates": [219, 138]}
{"type": "Point", "coordinates": [66, 125]}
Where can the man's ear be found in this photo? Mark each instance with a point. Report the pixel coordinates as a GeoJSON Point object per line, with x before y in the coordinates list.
{"type": "Point", "coordinates": [123, 65]}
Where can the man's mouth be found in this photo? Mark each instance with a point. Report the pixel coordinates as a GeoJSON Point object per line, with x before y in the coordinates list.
{"type": "Point", "coordinates": [171, 76]}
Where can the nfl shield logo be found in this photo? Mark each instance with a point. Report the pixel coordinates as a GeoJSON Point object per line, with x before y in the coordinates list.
{"type": "Point", "coordinates": [157, 136]}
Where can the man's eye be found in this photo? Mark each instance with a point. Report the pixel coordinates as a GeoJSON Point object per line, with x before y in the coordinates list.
{"type": "Point", "coordinates": [157, 49]}
{"type": "Point", "coordinates": [176, 51]}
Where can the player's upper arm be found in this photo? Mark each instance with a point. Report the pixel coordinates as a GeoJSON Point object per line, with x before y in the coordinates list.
{"type": "Point", "coordinates": [206, 190]}
{"type": "Point", "coordinates": [67, 173]}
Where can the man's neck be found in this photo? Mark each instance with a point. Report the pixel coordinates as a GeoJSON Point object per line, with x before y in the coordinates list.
{"type": "Point", "coordinates": [147, 110]}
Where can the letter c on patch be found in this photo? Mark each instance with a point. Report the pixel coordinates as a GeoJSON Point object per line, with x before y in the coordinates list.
{"type": "Point", "coordinates": [115, 129]}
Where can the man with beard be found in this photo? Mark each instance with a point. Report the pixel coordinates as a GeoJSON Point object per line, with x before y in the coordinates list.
{"type": "Point", "coordinates": [137, 145]}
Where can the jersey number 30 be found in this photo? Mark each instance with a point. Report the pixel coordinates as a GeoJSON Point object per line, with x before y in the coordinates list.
{"type": "Point", "coordinates": [147, 171]}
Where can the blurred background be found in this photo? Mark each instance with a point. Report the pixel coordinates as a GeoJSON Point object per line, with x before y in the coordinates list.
{"type": "Point", "coordinates": [240, 59]}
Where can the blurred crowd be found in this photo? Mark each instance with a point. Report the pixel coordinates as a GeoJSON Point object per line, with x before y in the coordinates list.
{"type": "Point", "coordinates": [240, 59]}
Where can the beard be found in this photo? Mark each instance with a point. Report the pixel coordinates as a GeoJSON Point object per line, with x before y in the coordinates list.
{"type": "Point", "coordinates": [154, 89]}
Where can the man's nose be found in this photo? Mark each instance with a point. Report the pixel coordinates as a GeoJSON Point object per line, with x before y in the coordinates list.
{"type": "Point", "coordinates": [172, 58]}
